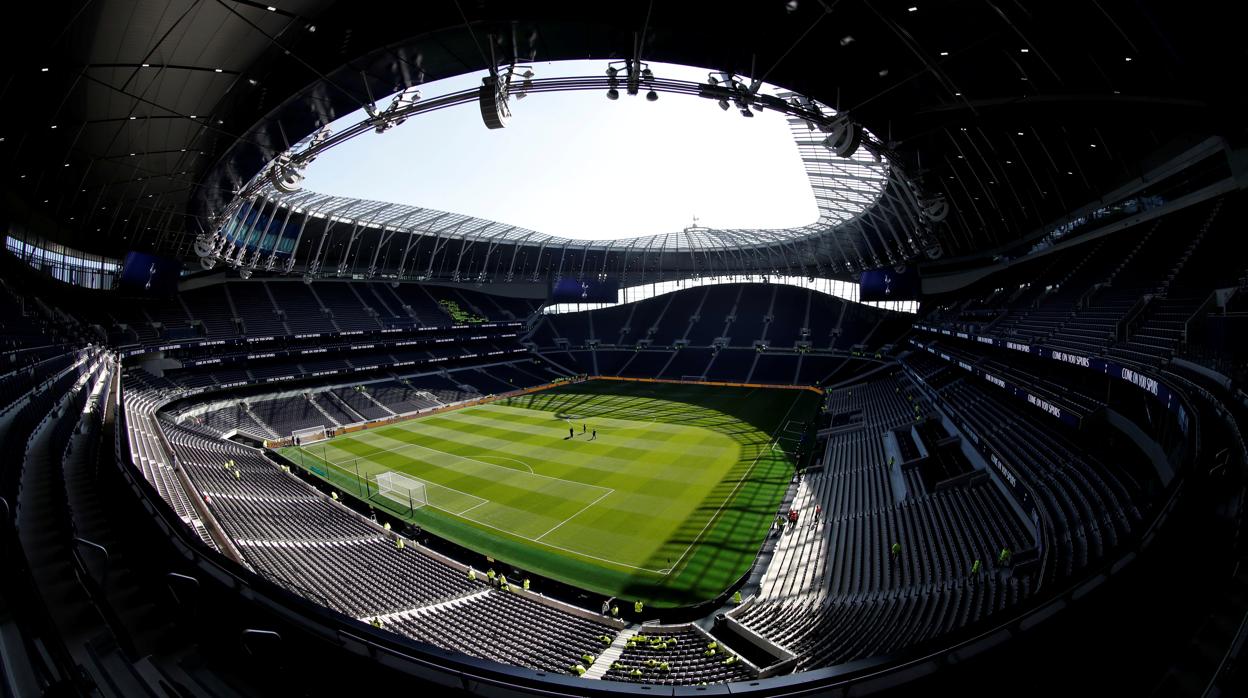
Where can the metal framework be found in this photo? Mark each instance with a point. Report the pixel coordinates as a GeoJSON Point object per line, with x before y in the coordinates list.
{"type": "Point", "coordinates": [869, 213]}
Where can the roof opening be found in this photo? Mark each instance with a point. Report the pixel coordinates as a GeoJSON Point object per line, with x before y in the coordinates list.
{"type": "Point", "coordinates": [579, 165]}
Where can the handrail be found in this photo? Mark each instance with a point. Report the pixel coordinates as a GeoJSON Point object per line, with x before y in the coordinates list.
{"type": "Point", "coordinates": [1124, 326]}
{"type": "Point", "coordinates": [1086, 297]}
{"type": "Point", "coordinates": [1200, 310]}
{"type": "Point", "coordinates": [92, 544]}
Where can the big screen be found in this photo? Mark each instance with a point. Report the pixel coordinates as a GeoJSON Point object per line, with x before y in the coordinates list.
{"type": "Point", "coordinates": [889, 285]}
{"type": "Point", "coordinates": [147, 273]}
{"type": "Point", "coordinates": [587, 291]}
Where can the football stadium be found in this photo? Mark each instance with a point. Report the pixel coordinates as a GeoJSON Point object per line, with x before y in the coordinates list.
{"type": "Point", "coordinates": [787, 348]}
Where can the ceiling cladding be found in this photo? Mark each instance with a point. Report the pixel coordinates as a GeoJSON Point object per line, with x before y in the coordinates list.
{"type": "Point", "coordinates": [142, 118]}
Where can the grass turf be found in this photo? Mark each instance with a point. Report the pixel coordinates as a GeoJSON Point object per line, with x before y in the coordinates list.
{"type": "Point", "coordinates": [668, 504]}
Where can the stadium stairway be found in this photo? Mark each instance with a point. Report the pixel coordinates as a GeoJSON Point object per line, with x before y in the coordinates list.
{"type": "Point", "coordinates": [799, 562]}
{"type": "Point", "coordinates": [369, 396]}
{"type": "Point", "coordinates": [246, 408]}
{"type": "Point", "coordinates": [126, 582]}
{"type": "Point", "coordinates": [417, 612]}
{"type": "Point", "coordinates": [603, 663]}
{"type": "Point", "coordinates": [46, 533]}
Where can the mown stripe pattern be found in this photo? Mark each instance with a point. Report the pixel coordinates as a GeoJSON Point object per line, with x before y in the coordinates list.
{"type": "Point", "coordinates": [669, 503]}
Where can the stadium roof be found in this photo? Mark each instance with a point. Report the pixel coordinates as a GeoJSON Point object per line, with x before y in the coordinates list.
{"type": "Point", "coordinates": [843, 189]}
{"type": "Point", "coordinates": [129, 123]}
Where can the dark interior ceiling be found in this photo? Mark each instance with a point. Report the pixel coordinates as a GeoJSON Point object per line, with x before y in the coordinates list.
{"type": "Point", "coordinates": [124, 122]}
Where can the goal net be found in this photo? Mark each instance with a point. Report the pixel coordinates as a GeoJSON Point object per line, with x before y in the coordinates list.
{"type": "Point", "coordinates": [303, 437]}
{"type": "Point", "coordinates": [401, 489]}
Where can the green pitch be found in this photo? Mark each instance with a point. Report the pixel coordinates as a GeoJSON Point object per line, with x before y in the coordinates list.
{"type": "Point", "coordinates": [669, 503]}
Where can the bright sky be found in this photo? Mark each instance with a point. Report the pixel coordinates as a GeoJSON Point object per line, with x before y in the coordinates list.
{"type": "Point", "coordinates": [577, 165]}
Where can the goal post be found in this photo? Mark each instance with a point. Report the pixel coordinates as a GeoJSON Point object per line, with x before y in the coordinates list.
{"type": "Point", "coordinates": [402, 489]}
{"type": "Point", "coordinates": [303, 437]}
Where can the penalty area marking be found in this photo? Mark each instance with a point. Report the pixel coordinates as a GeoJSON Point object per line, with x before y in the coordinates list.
{"type": "Point", "coordinates": [801, 427]}
{"type": "Point", "coordinates": [369, 456]}
{"type": "Point", "coordinates": [535, 541]}
{"type": "Point", "coordinates": [513, 460]}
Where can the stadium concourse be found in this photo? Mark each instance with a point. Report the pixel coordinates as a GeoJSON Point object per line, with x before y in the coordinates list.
{"type": "Point", "coordinates": [974, 423]}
